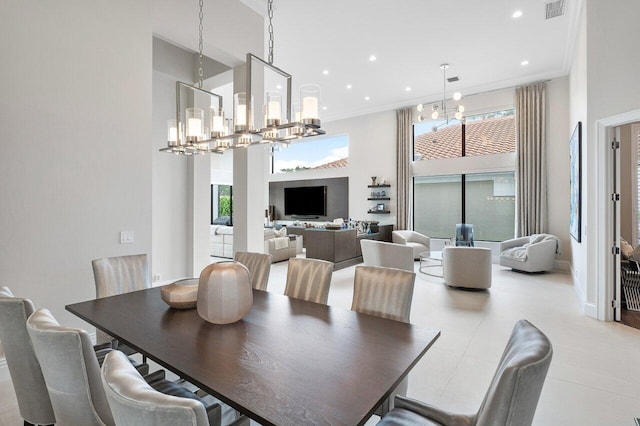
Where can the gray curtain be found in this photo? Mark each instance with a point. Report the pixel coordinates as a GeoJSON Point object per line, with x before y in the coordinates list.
{"type": "Point", "coordinates": [403, 176]}
{"type": "Point", "coordinates": [531, 173]}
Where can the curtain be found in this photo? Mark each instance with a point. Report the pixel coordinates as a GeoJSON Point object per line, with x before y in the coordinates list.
{"type": "Point", "coordinates": [403, 176]}
{"type": "Point", "coordinates": [531, 171]}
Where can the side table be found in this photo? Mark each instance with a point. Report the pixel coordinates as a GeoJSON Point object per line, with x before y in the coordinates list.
{"type": "Point", "coordinates": [430, 259]}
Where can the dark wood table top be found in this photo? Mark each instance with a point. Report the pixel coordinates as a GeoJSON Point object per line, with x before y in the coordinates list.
{"type": "Point", "coordinates": [288, 362]}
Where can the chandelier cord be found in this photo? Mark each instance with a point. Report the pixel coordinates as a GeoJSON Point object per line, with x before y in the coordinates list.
{"type": "Point", "coordinates": [444, 95]}
{"type": "Point", "coordinates": [200, 72]}
{"type": "Point", "coordinates": [270, 28]}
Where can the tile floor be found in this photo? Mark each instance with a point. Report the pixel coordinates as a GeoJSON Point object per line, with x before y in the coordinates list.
{"type": "Point", "coordinates": [594, 378]}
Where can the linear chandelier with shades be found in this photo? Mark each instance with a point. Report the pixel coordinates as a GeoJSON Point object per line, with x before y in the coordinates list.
{"type": "Point", "coordinates": [440, 110]}
{"type": "Point", "coordinates": [201, 126]}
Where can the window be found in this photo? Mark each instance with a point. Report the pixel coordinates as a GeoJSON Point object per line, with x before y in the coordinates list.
{"type": "Point", "coordinates": [486, 200]}
{"type": "Point", "coordinates": [482, 134]}
{"type": "Point", "coordinates": [443, 196]}
{"type": "Point", "coordinates": [312, 153]}
{"type": "Point", "coordinates": [221, 203]}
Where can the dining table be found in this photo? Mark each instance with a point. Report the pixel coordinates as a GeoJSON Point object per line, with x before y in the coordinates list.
{"type": "Point", "coordinates": [287, 362]}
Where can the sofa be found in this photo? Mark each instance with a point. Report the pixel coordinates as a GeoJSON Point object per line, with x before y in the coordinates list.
{"type": "Point", "coordinates": [221, 241]}
{"type": "Point", "coordinates": [534, 253]}
{"type": "Point", "coordinates": [279, 245]}
{"type": "Point", "coordinates": [276, 243]}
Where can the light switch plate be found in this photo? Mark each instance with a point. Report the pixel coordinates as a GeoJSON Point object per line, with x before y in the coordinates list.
{"type": "Point", "coordinates": [126, 237]}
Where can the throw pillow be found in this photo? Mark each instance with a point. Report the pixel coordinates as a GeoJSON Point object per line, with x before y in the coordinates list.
{"type": "Point", "coordinates": [625, 248]}
{"type": "Point", "coordinates": [635, 254]}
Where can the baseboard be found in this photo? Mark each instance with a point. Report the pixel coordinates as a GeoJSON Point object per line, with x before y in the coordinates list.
{"type": "Point", "coordinates": [562, 265]}
{"type": "Point", "coordinates": [588, 309]}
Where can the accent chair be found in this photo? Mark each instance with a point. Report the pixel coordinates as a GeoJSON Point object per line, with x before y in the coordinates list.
{"type": "Point", "coordinates": [418, 242]}
{"type": "Point", "coordinates": [389, 255]}
{"type": "Point", "coordinates": [512, 396]}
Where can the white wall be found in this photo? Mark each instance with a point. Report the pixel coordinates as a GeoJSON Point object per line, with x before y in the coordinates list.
{"type": "Point", "coordinates": [558, 134]}
{"type": "Point", "coordinates": [76, 125]}
{"type": "Point", "coordinates": [169, 197]}
{"type": "Point", "coordinates": [578, 112]}
{"type": "Point", "coordinates": [604, 83]}
{"type": "Point", "coordinates": [372, 141]}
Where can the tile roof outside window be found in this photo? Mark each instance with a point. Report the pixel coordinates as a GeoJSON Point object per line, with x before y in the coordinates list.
{"type": "Point", "coordinates": [483, 137]}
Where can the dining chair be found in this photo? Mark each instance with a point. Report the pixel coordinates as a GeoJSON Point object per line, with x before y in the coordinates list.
{"type": "Point", "coordinates": [28, 382]}
{"type": "Point", "coordinates": [118, 275]}
{"type": "Point", "coordinates": [383, 292]}
{"type": "Point", "coordinates": [70, 370]}
{"type": "Point", "coordinates": [72, 373]}
{"type": "Point", "coordinates": [512, 396]}
{"type": "Point", "coordinates": [134, 402]}
{"type": "Point", "coordinates": [309, 279]}
{"type": "Point", "coordinates": [259, 266]}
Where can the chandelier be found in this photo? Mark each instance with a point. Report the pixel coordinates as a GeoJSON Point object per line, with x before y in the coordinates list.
{"type": "Point", "coordinates": [440, 110]}
{"type": "Point", "coordinates": [201, 126]}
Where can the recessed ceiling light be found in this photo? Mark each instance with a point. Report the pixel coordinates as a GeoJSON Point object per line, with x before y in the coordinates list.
{"type": "Point", "coordinates": [325, 72]}
{"type": "Point", "coordinates": [407, 89]}
{"type": "Point", "coordinates": [517, 14]}
{"type": "Point", "coordinates": [372, 58]}
{"type": "Point", "coordinates": [524, 63]}
{"type": "Point", "coordinates": [349, 86]}
{"type": "Point", "coordinates": [366, 98]}
{"type": "Point", "coordinates": [324, 108]}
{"type": "Point", "coordinates": [279, 86]}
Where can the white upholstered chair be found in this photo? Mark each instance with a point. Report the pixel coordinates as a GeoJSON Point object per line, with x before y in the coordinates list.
{"type": "Point", "coordinates": [70, 370]}
{"type": "Point", "coordinates": [385, 293]}
{"type": "Point", "coordinates": [418, 242]}
{"type": "Point", "coordinates": [389, 255]}
{"type": "Point", "coordinates": [535, 253]}
{"type": "Point", "coordinates": [28, 382]}
{"type": "Point", "coordinates": [467, 267]}
{"type": "Point", "coordinates": [259, 266]}
{"type": "Point", "coordinates": [309, 279]}
{"type": "Point", "coordinates": [118, 275]}
{"type": "Point", "coordinates": [134, 402]}
{"type": "Point", "coordinates": [512, 396]}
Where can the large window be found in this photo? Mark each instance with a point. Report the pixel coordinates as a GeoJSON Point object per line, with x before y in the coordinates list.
{"type": "Point", "coordinates": [482, 134]}
{"type": "Point", "coordinates": [311, 153]}
{"type": "Point", "coordinates": [443, 196]}
{"type": "Point", "coordinates": [486, 200]}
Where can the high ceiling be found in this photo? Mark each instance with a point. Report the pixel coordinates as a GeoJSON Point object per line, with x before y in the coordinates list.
{"type": "Point", "coordinates": [484, 45]}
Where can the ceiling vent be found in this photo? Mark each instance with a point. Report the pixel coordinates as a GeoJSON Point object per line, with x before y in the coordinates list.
{"type": "Point", "coordinates": [554, 9]}
{"type": "Point", "coordinates": [452, 79]}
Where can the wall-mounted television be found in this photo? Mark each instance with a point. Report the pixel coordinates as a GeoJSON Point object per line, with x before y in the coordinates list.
{"type": "Point", "coordinates": [305, 201]}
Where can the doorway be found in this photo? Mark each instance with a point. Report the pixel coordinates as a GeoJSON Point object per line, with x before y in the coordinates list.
{"type": "Point", "coordinates": [628, 230]}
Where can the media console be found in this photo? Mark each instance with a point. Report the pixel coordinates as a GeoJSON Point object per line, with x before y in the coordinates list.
{"type": "Point", "coordinates": [340, 246]}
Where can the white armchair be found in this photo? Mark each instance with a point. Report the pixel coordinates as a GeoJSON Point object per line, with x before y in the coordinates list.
{"type": "Point", "coordinates": [418, 242]}
{"type": "Point", "coordinates": [535, 253]}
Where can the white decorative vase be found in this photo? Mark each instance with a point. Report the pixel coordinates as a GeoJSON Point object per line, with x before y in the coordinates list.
{"type": "Point", "coordinates": [224, 292]}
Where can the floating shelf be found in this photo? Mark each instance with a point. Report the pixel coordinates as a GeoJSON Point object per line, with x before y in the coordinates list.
{"type": "Point", "coordinates": [379, 198]}
{"type": "Point", "coordinates": [379, 186]}
{"type": "Point", "coordinates": [378, 212]}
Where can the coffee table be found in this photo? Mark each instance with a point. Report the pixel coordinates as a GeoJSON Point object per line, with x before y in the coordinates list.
{"type": "Point", "coordinates": [430, 259]}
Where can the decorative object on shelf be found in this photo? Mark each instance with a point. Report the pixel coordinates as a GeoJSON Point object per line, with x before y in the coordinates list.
{"type": "Point", "coordinates": [373, 180]}
{"type": "Point", "coordinates": [202, 128]}
{"type": "Point", "coordinates": [224, 292]}
{"type": "Point", "coordinates": [380, 207]}
{"type": "Point", "coordinates": [383, 193]}
{"type": "Point", "coordinates": [182, 294]}
{"type": "Point", "coordinates": [447, 113]}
